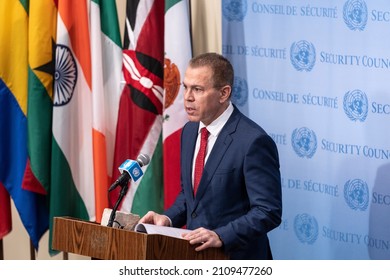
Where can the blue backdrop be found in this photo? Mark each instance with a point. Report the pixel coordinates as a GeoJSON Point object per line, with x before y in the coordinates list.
{"type": "Point", "coordinates": [316, 76]}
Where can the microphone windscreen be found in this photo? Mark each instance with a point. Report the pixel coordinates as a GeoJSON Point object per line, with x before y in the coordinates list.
{"type": "Point", "coordinates": [143, 159]}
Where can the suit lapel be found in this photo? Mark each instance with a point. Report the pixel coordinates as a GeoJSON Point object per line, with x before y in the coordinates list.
{"type": "Point", "coordinates": [187, 157]}
{"type": "Point", "coordinates": [221, 145]}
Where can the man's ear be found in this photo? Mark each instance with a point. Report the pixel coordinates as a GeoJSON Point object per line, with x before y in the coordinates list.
{"type": "Point", "coordinates": [225, 91]}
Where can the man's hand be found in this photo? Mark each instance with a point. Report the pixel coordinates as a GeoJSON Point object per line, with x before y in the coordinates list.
{"type": "Point", "coordinates": [156, 219]}
{"type": "Point", "coordinates": [207, 238]}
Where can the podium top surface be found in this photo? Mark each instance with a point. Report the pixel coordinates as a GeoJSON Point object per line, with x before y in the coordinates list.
{"type": "Point", "coordinates": [101, 242]}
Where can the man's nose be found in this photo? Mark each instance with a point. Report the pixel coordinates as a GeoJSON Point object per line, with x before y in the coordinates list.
{"type": "Point", "coordinates": [188, 95]}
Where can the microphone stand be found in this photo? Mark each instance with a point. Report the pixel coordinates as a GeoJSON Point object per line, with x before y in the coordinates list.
{"type": "Point", "coordinates": [122, 194]}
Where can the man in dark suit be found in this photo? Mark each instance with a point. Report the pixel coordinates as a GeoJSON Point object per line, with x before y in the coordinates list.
{"type": "Point", "coordinates": [238, 199]}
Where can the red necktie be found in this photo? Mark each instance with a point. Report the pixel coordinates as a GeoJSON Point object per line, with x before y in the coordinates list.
{"type": "Point", "coordinates": [199, 163]}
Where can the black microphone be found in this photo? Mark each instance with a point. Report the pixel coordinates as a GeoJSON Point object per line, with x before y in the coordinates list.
{"type": "Point", "coordinates": [130, 169]}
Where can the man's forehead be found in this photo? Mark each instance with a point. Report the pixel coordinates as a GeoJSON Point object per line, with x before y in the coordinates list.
{"type": "Point", "coordinates": [200, 75]}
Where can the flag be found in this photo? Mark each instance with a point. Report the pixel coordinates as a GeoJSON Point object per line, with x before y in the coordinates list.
{"type": "Point", "coordinates": [139, 128]}
{"type": "Point", "coordinates": [5, 212]}
{"type": "Point", "coordinates": [41, 49]}
{"type": "Point", "coordinates": [31, 205]}
{"type": "Point", "coordinates": [106, 51]}
{"type": "Point", "coordinates": [177, 54]}
{"type": "Point", "coordinates": [72, 177]}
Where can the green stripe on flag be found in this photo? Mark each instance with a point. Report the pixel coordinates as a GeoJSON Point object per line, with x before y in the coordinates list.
{"type": "Point", "coordinates": [170, 3]}
{"type": "Point", "coordinates": [39, 129]}
{"type": "Point", "coordinates": [109, 23]}
{"type": "Point", "coordinates": [64, 197]}
{"type": "Point", "coordinates": [25, 3]}
{"type": "Point", "coordinates": [149, 194]}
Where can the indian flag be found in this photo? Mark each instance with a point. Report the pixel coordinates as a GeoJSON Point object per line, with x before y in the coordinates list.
{"type": "Point", "coordinates": [177, 54]}
{"type": "Point", "coordinates": [106, 51]}
{"type": "Point", "coordinates": [72, 181]}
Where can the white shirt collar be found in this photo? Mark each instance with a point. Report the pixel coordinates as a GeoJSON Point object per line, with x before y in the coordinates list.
{"type": "Point", "coordinates": [216, 126]}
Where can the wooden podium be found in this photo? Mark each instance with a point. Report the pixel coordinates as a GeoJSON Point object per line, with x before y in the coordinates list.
{"type": "Point", "coordinates": [100, 242]}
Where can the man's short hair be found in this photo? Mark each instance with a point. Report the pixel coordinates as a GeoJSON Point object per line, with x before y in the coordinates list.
{"type": "Point", "coordinates": [223, 73]}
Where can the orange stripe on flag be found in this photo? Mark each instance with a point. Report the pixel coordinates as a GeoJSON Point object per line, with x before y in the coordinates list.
{"type": "Point", "coordinates": [101, 177]}
{"type": "Point", "coordinates": [73, 15]}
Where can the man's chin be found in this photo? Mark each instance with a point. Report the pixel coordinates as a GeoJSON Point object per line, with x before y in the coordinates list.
{"type": "Point", "coordinates": [192, 118]}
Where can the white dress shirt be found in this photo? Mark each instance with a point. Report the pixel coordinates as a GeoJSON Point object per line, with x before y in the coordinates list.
{"type": "Point", "coordinates": [214, 129]}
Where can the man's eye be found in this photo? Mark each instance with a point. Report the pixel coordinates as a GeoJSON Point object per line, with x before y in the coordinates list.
{"type": "Point", "coordinates": [197, 89]}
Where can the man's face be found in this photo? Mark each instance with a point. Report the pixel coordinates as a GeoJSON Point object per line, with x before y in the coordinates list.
{"type": "Point", "coordinates": [202, 101]}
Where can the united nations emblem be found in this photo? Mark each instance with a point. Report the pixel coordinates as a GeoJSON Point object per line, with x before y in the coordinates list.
{"type": "Point", "coordinates": [136, 172]}
{"type": "Point", "coordinates": [355, 14]}
{"type": "Point", "coordinates": [303, 55]}
{"type": "Point", "coordinates": [355, 105]}
{"type": "Point", "coordinates": [234, 9]}
{"type": "Point", "coordinates": [356, 194]}
{"type": "Point", "coordinates": [304, 142]}
{"type": "Point", "coordinates": [306, 228]}
{"type": "Point", "coordinates": [240, 91]}
{"type": "Point", "coordinates": [65, 76]}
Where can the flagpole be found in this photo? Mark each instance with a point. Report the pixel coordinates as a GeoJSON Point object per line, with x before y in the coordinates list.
{"type": "Point", "coordinates": [190, 22]}
{"type": "Point", "coordinates": [1, 250]}
{"type": "Point", "coordinates": [32, 251]}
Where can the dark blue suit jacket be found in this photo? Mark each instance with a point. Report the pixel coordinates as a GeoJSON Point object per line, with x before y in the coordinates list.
{"type": "Point", "coordinates": [239, 195]}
